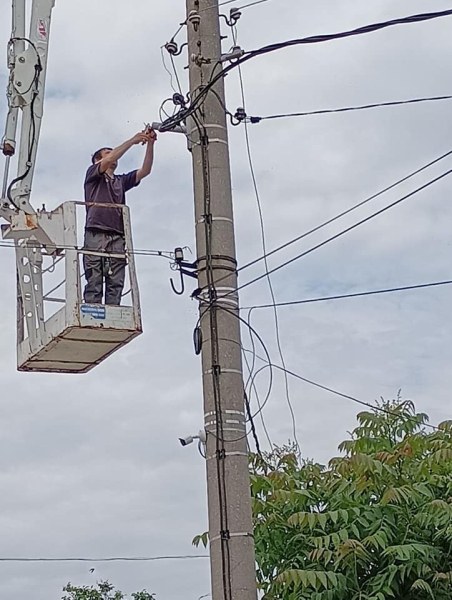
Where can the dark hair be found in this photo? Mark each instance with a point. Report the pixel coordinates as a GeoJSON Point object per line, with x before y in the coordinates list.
{"type": "Point", "coordinates": [98, 154]}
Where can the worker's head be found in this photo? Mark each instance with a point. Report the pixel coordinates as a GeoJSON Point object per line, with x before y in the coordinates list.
{"type": "Point", "coordinates": [99, 154]}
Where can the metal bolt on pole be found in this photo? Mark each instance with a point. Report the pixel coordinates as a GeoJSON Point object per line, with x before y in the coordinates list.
{"type": "Point", "coordinates": [228, 487]}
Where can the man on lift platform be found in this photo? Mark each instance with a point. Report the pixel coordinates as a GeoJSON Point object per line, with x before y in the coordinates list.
{"type": "Point", "coordinates": [104, 228]}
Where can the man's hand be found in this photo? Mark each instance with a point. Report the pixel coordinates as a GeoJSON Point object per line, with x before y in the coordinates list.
{"type": "Point", "coordinates": [151, 135]}
{"type": "Point", "coordinates": [140, 138]}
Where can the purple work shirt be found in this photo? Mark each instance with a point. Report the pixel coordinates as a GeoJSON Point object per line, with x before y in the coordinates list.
{"type": "Point", "coordinates": [102, 189]}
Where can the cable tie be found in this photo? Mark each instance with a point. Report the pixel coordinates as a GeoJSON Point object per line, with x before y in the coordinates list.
{"type": "Point", "coordinates": [246, 534]}
{"type": "Point", "coordinates": [216, 369]}
{"type": "Point", "coordinates": [244, 454]}
{"type": "Point", "coordinates": [233, 371]}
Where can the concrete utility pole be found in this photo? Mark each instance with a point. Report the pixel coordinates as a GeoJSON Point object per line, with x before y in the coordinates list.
{"type": "Point", "coordinates": [228, 489]}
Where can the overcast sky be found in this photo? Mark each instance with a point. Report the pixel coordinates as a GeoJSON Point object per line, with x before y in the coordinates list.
{"type": "Point", "coordinates": [90, 465]}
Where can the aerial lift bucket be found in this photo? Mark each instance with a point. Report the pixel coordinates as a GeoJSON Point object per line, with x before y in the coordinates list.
{"type": "Point", "coordinates": [78, 336]}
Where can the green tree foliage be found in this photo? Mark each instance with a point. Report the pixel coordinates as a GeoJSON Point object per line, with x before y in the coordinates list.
{"type": "Point", "coordinates": [375, 524]}
{"type": "Point", "coordinates": [103, 590]}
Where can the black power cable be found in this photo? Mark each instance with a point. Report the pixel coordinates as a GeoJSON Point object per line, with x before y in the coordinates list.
{"type": "Point", "coordinates": [253, 428]}
{"type": "Point", "coordinates": [315, 39]}
{"type": "Point", "coordinates": [28, 168]}
{"type": "Point", "coordinates": [344, 109]}
{"type": "Point", "coordinates": [343, 213]}
{"type": "Point", "coordinates": [346, 230]}
{"type": "Point", "coordinates": [348, 210]}
{"type": "Point", "coordinates": [342, 395]}
{"type": "Point", "coordinates": [250, 417]}
{"type": "Point", "coordinates": [354, 295]}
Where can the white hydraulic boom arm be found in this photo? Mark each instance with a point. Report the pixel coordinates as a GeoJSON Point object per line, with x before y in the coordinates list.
{"type": "Point", "coordinates": [27, 63]}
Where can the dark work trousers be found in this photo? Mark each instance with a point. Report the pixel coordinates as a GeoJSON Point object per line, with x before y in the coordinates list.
{"type": "Point", "coordinates": [104, 268]}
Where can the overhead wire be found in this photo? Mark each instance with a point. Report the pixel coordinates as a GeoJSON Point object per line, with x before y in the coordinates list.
{"type": "Point", "coordinates": [264, 249]}
{"type": "Point", "coordinates": [346, 396]}
{"type": "Point", "coordinates": [348, 210]}
{"type": "Point", "coordinates": [360, 203]}
{"type": "Point", "coordinates": [252, 385]}
{"type": "Point", "coordinates": [176, 74]}
{"type": "Point", "coordinates": [374, 407]}
{"type": "Point", "coordinates": [259, 208]}
{"type": "Point", "coordinates": [22, 559]}
{"type": "Point", "coordinates": [250, 416]}
{"type": "Point", "coordinates": [216, 5]}
{"type": "Point", "coordinates": [270, 365]}
{"type": "Point", "coordinates": [345, 212]}
{"type": "Point", "coordinates": [315, 39]}
{"type": "Point", "coordinates": [371, 28]}
{"type": "Point", "coordinates": [253, 428]}
{"type": "Point", "coordinates": [414, 18]}
{"type": "Point", "coordinates": [268, 359]}
{"type": "Point", "coordinates": [231, 2]}
{"type": "Point", "coordinates": [162, 108]}
{"type": "Point", "coordinates": [162, 53]}
{"type": "Point", "coordinates": [255, 119]}
{"type": "Point", "coordinates": [346, 230]}
{"type": "Point", "coordinates": [168, 254]}
{"type": "Point", "coordinates": [353, 295]}
{"type": "Point", "coordinates": [251, 4]}
{"type": "Point", "coordinates": [179, 29]}
{"type": "Point", "coordinates": [224, 3]}
{"type": "Point", "coordinates": [239, 119]}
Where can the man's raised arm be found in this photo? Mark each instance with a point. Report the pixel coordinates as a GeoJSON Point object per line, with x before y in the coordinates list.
{"type": "Point", "coordinates": [109, 161]}
{"type": "Point", "coordinates": [146, 168]}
